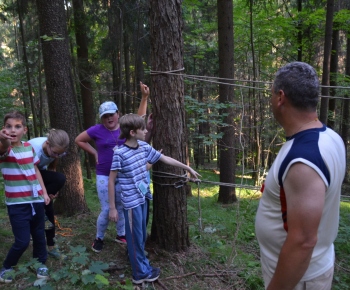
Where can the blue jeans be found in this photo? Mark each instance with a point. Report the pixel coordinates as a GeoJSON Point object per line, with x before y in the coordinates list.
{"type": "Point", "coordinates": [26, 219]}
{"type": "Point", "coordinates": [135, 230]}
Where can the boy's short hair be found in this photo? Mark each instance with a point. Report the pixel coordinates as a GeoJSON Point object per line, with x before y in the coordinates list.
{"type": "Point", "coordinates": [130, 122]}
{"type": "Point", "coordinates": [16, 115]}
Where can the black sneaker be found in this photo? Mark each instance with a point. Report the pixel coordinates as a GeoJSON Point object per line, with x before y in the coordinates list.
{"type": "Point", "coordinates": [150, 278]}
{"type": "Point", "coordinates": [97, 245]}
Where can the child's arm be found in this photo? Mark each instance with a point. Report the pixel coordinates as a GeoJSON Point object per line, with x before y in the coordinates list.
{"type": "Point", "coordinates": [173, 162]}
{"type": "Point", "coordinates": [40, 179]}
{"type": "Point", "coordinates": [82, 140]}
{"type": "Point", "coordinates": [113, 214]}
{"type": "Point", "coordinates": [143, 104]}
{"type": "Point", "coordinates": [5, 141]}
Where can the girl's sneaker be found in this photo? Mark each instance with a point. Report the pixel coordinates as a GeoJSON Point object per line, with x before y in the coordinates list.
{"type": "Point", "coordinates": [121, 240]}
{"type": "Point", "coordinates": [56, 253]}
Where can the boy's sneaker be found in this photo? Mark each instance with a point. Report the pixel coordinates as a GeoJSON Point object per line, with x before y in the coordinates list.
{"type": "Point", "coordinates": [97, 245]}
{"type": "Point", "coordinates": [55, 253]}
{"type": "Point", "coordinates": [150, 278]}
{"type": "Point", "coordinates": [121, 240]}
{"type": "Point", "coordinates": [5, 275]}
{"type": "Point", "coordinates": [42, 272]}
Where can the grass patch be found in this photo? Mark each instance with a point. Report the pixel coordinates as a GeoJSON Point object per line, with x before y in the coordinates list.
{"type": "Point", "coordinates": [224, 252]}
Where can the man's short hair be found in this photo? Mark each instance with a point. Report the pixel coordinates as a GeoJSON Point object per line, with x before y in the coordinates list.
{"type": "Point", "coordinates": [130, 122]}
{"type": "Point", "coordinates": [300, 84]}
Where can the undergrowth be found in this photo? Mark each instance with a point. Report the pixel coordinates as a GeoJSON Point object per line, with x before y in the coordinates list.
{"type": "Point", "coordinates": [224, 252]}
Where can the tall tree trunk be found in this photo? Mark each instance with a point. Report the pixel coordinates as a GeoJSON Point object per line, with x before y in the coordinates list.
{"type": "Point", "coordinates": [63, 114]}
{"type": "Point", "coordinates": [333, 68]}
{"type": "Point", "coordinates": [170, 204]}
{"type": "Point", "coordinates": [300, 32]}
{"type": "Point", "coordinates": [226, 144]}
{"type": "Point", "coordinates": [25, 60]}
{"type": "Point", "coordinates": [84, 73]}
{"type": "Point", "coordinates": [326, 62]}
{"type": "Point", "coordinates": [346, 103]}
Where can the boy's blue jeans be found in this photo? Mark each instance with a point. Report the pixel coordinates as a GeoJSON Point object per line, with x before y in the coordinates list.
{"type": "Point", "coordinates": [25, 224]}
{"type": "Point", "coordinates": [136, 233]}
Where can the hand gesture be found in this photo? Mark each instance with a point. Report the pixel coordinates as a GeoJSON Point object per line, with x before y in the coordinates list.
{"type": "Point", "coordinates": [144, 90]}
{"type": "Point", "coordinates": [4, 135]}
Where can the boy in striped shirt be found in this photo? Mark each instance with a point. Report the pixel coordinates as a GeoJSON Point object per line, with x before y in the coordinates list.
{"type": "Point", "coordinates": [129, 164]}
{"type": "Point", "coordinates": [25, 195]}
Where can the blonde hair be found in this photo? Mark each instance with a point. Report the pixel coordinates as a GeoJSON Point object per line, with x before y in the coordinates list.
{"type": "Point", "coordinates": [58, 138]}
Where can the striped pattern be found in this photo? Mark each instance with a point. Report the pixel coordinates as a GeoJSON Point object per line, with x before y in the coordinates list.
{"type": "Point", "coordinates": [17, 168]}
{"type": "Point", "coordinates": [131, 166]}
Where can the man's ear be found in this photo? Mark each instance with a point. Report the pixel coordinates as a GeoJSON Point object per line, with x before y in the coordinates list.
{"type": "Point", "coordinates": [281, 98]}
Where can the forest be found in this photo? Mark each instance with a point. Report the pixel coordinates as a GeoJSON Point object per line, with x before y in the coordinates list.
{"type": "Point", "coordinates": [209, 65]}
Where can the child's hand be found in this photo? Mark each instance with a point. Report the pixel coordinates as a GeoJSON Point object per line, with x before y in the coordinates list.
{"type": "Point", "coordinates": [194, 173]}
{"type": "Point", "coordinates": [46, 198]}
{"type": "Point", "coordinates": [4, 135]}
{"type": "Point", "coordinates": [113, 215]}
{"type": "Point", "coordinates": [144, 90]}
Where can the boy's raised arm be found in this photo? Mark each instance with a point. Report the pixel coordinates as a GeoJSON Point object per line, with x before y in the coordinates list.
{"type": "Point", "coordinates": [113, 214]}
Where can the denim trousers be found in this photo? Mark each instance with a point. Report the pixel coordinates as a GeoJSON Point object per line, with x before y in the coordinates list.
{"type": "Point", "coordinates": [26, 220]}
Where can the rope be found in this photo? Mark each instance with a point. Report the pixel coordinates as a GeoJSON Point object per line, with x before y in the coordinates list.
{"type": "Point", "coordinates": [181, 183]}
{"type": "Point", "coordinates": [66, 232]}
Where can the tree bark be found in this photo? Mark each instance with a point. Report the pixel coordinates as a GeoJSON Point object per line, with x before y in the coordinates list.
{"type": "Point", "coordinates": [61, 97]}
{"type": "Point", "coordinates": [170, 204]}
{"type": "Point", "coordinates": [226, 144]}
{"type": "Point", "coordinates": [326, 62]}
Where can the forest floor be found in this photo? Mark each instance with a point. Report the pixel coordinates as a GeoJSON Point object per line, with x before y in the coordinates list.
{"type": "Point", "coordinates": [223, 255]}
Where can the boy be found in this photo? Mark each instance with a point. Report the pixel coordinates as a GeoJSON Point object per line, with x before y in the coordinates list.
{"type": "Point", "coordinates": [129, 164]}
{"type": "Point", "coordinates": [25, 195]}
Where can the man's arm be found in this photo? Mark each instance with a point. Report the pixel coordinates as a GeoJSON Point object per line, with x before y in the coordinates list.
{"type": "Point", "coordinates": [113, 214]}
{"type": "Point", "coordinates": [305, 195]}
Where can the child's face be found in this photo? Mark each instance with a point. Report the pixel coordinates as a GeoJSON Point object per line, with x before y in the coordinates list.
{"type": "Point", "coordinates": [110, 121]}
{"type": "Point", "coordinates": [16, 130]}
{"type": "Point", "coordinates": [141, 134]}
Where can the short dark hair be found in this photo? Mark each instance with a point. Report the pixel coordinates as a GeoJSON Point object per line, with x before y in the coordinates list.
{"type": "Point", "coordinates": [300, 84]}
{"type": "Point", "coordinates": [16, 115]}
{"type": "Point", "coordinates": [130, 122]}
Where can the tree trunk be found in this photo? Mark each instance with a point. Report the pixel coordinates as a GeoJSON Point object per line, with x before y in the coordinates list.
{"type": "Point", "coordinates": [346, 103]}
{"type": "Point", "coordinates": [25, 60]}
{"type": "Point", "coordinates": [226, 144]}
{"type": "Point", "coordinates": [326, 62]}
{"type": "Point", "coordinates": [333, 67]}
{"type": "Point", "coordinates": [84, 73]}
{"type": "Point", "coordinates": [170, 204]}
{"type": "Point", "coordinates": [62, 108]}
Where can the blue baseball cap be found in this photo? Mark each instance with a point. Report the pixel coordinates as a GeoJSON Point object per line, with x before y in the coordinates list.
{"type": "Point", "coordinates": [107, 108]}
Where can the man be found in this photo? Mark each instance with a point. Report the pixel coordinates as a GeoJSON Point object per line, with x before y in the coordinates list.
{"type": "Point", "coordinates": [298, 215]}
